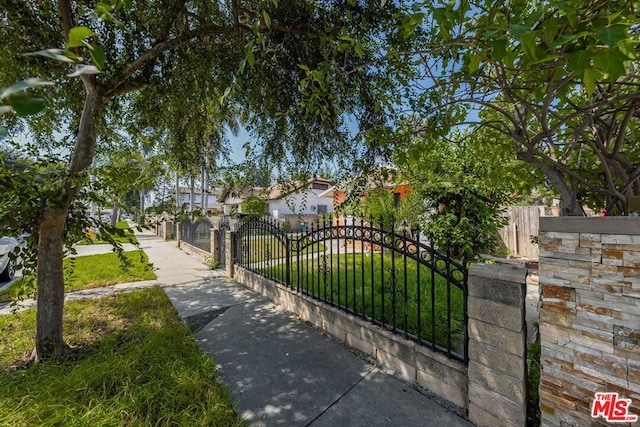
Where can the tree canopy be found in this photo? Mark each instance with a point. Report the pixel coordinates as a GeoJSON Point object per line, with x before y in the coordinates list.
{"type": "Point", "coordinates": [160, 66]}
{"type": "Point", "coordinates": [556, 81]}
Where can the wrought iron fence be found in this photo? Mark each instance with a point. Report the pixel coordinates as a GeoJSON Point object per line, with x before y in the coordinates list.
{"type": "Point", "coordinates": [392, 277]}
{"type": "Point", "coordinates": [197, 233]}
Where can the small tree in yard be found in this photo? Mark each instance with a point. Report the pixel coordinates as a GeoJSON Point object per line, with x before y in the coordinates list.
{"type": "Point", "coordinates": [465, 193]}
{"type": "Point", "coordinates": [123, 171]}
{"type": "Point", "coordinates": [254, 206]}
{"type": "Point", "coordinates": [379, 206]}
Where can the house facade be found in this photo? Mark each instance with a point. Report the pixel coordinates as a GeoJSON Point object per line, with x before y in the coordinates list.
{"type": "Point", "coordinates": [293, 204]}
{"type": "Point", "coordinates": [300, 199]}
{"type": "Point", "coordinates": [339, 196]}
{"type": "Point", "coordinates": [212, 202]}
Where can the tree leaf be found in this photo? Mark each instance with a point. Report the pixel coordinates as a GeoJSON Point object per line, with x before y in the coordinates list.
{"type": "Point", "coordinates": [84, 69]}
{"type": "Point", "coordinates": [518, 30]}
{"type": "Point", "coordinates": [57, 54]}
{"type": "Point", "coordinates": [226, 93]}
{"type": "Point", "coordinates": [248, 51]}
{"type": "Point", "coordinates": [611, 35]}
{"type": "Point", "coordinates": [98, 55]}
{"type": "Point", "coordinates": [499, 49]}
{"type": "Point", "coordinates": [247, 149]}
{"type": "Point", "coordinates": [267, 18]}
{"type": "Point", "coordinates": [611, 61]}
{"type": "Point", "coordinates": [102, 8]}
{"type": "Point", "coordinates": [579, 61]}
{"type": "Point", "coordinates": [251, 60]}
{"type": "Point", "coordinates": [23, 85]}
{"type": "Point", "coordinates": [474, 63]}
{"type": "Point", "coordinates": [24, 104]}
{"type": "Point", "coordinates": [77, 36]}
{"type": "Point", "coordinates": [528, 43]}
{"type": "Point", "coordinates": [5, 109]}
{"type": "Point", "coordinates": [410, 26]}
{"type": "Point", "coordinates": [566, 38]}
{"type": "Point", "coordinates": [589, 80]}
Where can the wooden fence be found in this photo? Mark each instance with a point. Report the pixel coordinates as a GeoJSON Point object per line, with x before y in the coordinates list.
{"type": "Point", "coordinates": [523, 225]}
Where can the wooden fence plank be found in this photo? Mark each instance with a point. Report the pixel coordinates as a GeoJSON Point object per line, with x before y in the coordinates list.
{"type": "Point", "coordinates": [523, 224]}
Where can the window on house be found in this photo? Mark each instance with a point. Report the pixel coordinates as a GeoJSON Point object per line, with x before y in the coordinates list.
{"type": "Point", "coordinates": [322, 209]}
{"type": "Point", "coordinates": [319, 186]}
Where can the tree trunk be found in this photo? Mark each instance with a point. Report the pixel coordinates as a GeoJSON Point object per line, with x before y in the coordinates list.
{"type": "Point", "coordinates": [569, 205]}
{"type": "Point", "coordinates": [115, 212]}
{"type": "Point", "coordinates": [204, 191]}
{"type": "Point", "coordinates": [141, 205]}
{"type": "Point", "coordinates": [50, 284]}
{"type": "Point", "coordinates": [163, 197]}
{"type": "Point", "coordinates": [178, 200]}
{"type": "Point", "coordinates": [50, 278]}
{"type": "Point", "coordinates": [191, 201]}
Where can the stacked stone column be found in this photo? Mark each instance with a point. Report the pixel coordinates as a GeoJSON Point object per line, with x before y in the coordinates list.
{"type": "Point", "coordinates": [497, 346]}
{"type": "Point", "coordinates": [590, 319]}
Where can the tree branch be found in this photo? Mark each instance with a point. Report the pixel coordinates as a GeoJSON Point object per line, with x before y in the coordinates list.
{"type": "Point", "coordinates": [68, 20]}
{"type": "Point", "coordinates": [159, 48]}
{"type": "Point", "coordinates": [623, 129]}
{"type": "Point", "coordinates": [274, 24]}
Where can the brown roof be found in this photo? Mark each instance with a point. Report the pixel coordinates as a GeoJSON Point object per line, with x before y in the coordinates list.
{"type": "Point", "coordinates": [279, 191]}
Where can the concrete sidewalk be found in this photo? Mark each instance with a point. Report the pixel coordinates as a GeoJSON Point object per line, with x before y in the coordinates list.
{"type": "Point", "coordinates": [279, 370]}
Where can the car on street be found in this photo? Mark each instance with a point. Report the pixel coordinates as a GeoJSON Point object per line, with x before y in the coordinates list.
{"type": "Point", "coordinates": [7, 270]}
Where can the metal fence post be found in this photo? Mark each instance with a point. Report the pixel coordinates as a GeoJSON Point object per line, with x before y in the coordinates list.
{"type": "Point", "coordinates": [288, 262]}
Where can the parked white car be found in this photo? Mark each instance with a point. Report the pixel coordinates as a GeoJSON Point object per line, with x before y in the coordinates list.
{"type": "Point", "coordinates": [7, 271]}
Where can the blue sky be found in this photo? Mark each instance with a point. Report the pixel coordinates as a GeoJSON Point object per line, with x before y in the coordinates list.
{"type": "Point", "coordinates": [236, 145]}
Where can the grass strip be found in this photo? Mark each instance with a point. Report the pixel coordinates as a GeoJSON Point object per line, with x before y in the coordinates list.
{"type": "Point", "coordinates": [91, 271]}
{"type": "Point", "coordinates": [133, 362]}
{"type": "Point", "coordinates": [127, 237]}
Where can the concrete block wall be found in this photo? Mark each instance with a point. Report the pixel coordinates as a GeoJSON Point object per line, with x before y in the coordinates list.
{"type": "Point", "coordinates": [497, 345]}
{"type": "Point", "coordinates": [590, 319]}
{"type": "Point", "coordinates": [201, 254]}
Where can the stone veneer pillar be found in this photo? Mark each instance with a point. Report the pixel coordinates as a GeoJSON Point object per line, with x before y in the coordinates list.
{"type": "Point", "coordinates": [229, 253]}
{"type": "Point", "coordinates": [215, 237]}
{"type": "Point", "coordinates": [497, 345]}
{"type": "Point", "coordinates": [590, 319]}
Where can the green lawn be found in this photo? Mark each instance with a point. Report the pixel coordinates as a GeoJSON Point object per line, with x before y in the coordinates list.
{"type": "Point", "coordinates": [126, 237]}
{"type": "Point", "coordinates": [365, 292]}
{"type": "Point", "coordinates": [257, 247]}
{"type": "Point", "coordinates": [93, 271]}
{"type": "Point", "coordinates": [133, 363]}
